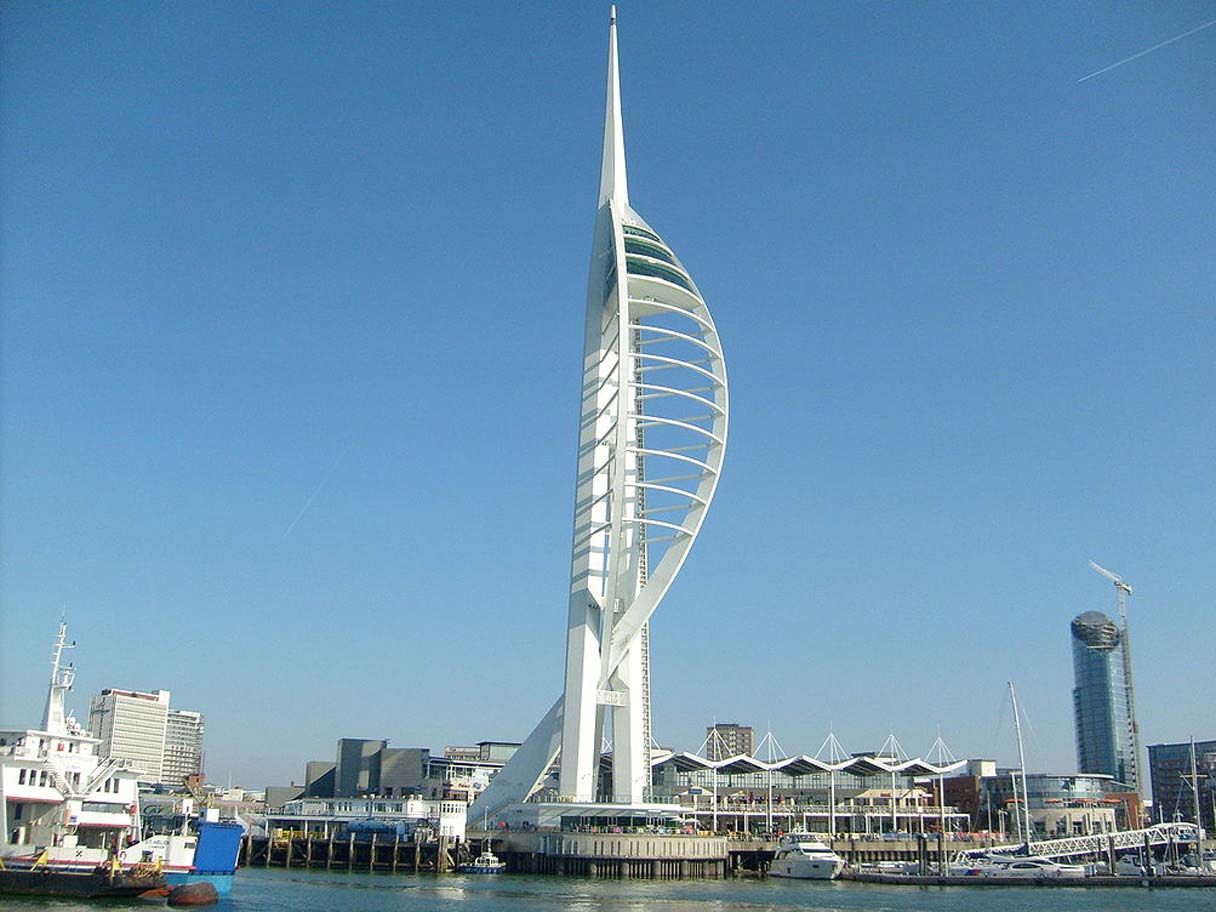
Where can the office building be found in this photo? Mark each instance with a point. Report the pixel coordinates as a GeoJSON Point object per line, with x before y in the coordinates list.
{"type": "Point", "coordinates": [1173, 797]}
{"type": "Point", "coordinates": [132, 726]}
{"type": "Point", "coordinates": [727, 739]}
{"type": "Point", "coordinates": [357, 771]}
{"type": "Point", "coordinates": [1102, 706]}
{"type": "Point", "coordinates": [183, 747]}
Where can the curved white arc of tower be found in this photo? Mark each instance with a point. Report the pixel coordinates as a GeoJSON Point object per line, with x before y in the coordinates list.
{"type": "Point", "coordinates": [649, 296]}
{"type": "Point", "coordinates": [652, 435]}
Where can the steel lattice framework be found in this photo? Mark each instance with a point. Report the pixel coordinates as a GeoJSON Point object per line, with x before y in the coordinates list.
{"type": "Point", "coordinates": [651, 441]}
{"type": "Point", "coordinates": [1158, 834]}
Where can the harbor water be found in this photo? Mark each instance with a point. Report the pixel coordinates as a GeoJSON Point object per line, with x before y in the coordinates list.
{"type": "Point", "coordinates": [315, 891]}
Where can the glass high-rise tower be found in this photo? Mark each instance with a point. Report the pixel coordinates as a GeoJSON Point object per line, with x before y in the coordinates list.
{"type": "Point", "coordinates": [1102, 701]}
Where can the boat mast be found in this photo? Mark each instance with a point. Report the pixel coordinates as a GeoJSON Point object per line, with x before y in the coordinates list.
{"type": "Point", "coordinates": [54, 719]}
{"type": "Point", "coordinates": [1017, 724]}
{"type": "Point", "coordinates": [1195, 790]}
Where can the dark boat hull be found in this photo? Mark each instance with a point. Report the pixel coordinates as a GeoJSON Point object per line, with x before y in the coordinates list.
{"type": "Point", "coordinates": [89, 884]}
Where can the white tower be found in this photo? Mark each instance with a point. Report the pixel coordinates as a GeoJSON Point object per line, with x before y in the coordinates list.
{"type": "Point", "coordinates": [651, 440]}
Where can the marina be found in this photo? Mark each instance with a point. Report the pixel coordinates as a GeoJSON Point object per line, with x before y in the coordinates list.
{"type": "Point", "coordinates": [299, 891]}
{"type": "Point", "coordinates": [652, 856]}
{"type": "Point", "coordinates": [598, 807]}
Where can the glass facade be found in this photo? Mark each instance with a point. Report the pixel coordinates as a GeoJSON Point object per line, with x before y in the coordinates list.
{"type": "Point", "coordinates": [647, 249]}
{"type": "Point", "coordinates": [640, 232]}
{"type": "Point", "coordinates": [1173, 796]}
{"type": "Point", "coordinates": [1101, 703]}
{"type": "Point", "coordinates": [1060, 806]}
{"type": "Point", "coordinates": [639, 266]}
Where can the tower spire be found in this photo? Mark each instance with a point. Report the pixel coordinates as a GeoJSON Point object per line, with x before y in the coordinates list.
{"type": "Point", "coordinates": [633, 526]}
{"type": "Point", "coordinates": [612, 172]}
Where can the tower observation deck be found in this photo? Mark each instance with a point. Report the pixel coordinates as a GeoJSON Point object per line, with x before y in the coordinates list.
{"type": "Point", "coordinates": [652, 435]}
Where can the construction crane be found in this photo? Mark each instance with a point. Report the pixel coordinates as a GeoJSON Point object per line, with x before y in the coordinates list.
{"type": "Point", "coordinates": [1123, 590]}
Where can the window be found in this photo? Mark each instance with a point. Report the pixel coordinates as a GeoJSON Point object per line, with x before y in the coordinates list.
{"type": "Point", "coordinates": [658, 271]}
{"type": "Point", "coordinates": [645, 248]}
{"type": "Point", "coordinates": [640, 232]}
{"type": "Point", "coordinates": [21, 777]}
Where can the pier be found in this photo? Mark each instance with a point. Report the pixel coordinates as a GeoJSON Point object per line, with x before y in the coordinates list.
{"type": "Point", "coordinates": [640, 856]}
{"type": "Point", "coordinates": [393, 855]}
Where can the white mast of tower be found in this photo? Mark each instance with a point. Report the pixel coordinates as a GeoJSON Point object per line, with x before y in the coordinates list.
{"type": "Point", "coordinates": [652, 436]}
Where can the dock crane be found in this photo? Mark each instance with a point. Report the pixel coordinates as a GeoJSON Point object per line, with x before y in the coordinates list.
{"type": "Point", "coordinates": [1123, 590]}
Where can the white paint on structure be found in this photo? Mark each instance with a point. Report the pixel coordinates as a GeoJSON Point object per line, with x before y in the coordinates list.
{"type": "Point", "coordinates": [652, 437]}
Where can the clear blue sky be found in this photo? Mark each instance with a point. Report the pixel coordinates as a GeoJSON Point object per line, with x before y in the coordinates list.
{"type": "Point", "coordinates": [292, 321]}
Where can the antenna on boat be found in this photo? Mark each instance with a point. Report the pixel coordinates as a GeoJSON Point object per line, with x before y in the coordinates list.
{"type": "Point", "coordinates": [55, 719]}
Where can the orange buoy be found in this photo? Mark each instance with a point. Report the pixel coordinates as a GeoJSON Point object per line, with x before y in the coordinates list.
{"type": "Point", "coordinates": [199, 893]}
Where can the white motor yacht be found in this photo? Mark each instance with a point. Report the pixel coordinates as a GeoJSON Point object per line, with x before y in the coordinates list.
{"type": "Point", "coordinates": [1032, 866]}
{"type": "Point", "coordinates": [803, 856]}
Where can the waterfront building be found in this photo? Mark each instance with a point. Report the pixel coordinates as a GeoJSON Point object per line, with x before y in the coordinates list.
{"type": "Point", "coordinates": [1102, 702]}
{"type": "Point", "coordinates": [496, 751]}
{"type": "Point", "coordinates": [499, 751]}
{"type": "Point", "coordinates": [357, 771]}
{"type": "Point", "coordinates": [370, 768]}
{"type": "Point", "coordinates": [1080, 804]}
{"type": "Point", "coordinates": [132, 726]}
{"type": "Point", "coordinates": [1170, 770]}
{"type": "Point", "coordinates": [862, 794]}
{"type": "Point", "coordinates": [183, 757]}
{"type": "Point", "coordinates": [728, 739]}
{"type": "Point", "coordinates": [320, 778]}
{"type": "Point", "coordinates": [325, 817]}
{"type": "Point", "coordinates": [652, 436]}
{"type": "Point", "coordinates": [1060, 805]}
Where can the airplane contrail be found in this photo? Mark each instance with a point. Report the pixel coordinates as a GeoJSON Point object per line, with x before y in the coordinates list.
{"type": "Point", "coordinates": [315, 491]}
{"type": "Point", "coordinates": [1155, 47]}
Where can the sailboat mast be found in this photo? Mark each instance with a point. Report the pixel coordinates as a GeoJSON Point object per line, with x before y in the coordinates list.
{"type": "Point", "coordinates": [1017, 724]}
{"type": "Point", "coordinates": [1195, 786]}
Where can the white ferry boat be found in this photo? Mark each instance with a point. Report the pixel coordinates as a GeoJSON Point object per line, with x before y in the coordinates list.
{"type": "Point", "coordinates": [69, 818]}
{"type": "Point", "coordinates": [803, 856]}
